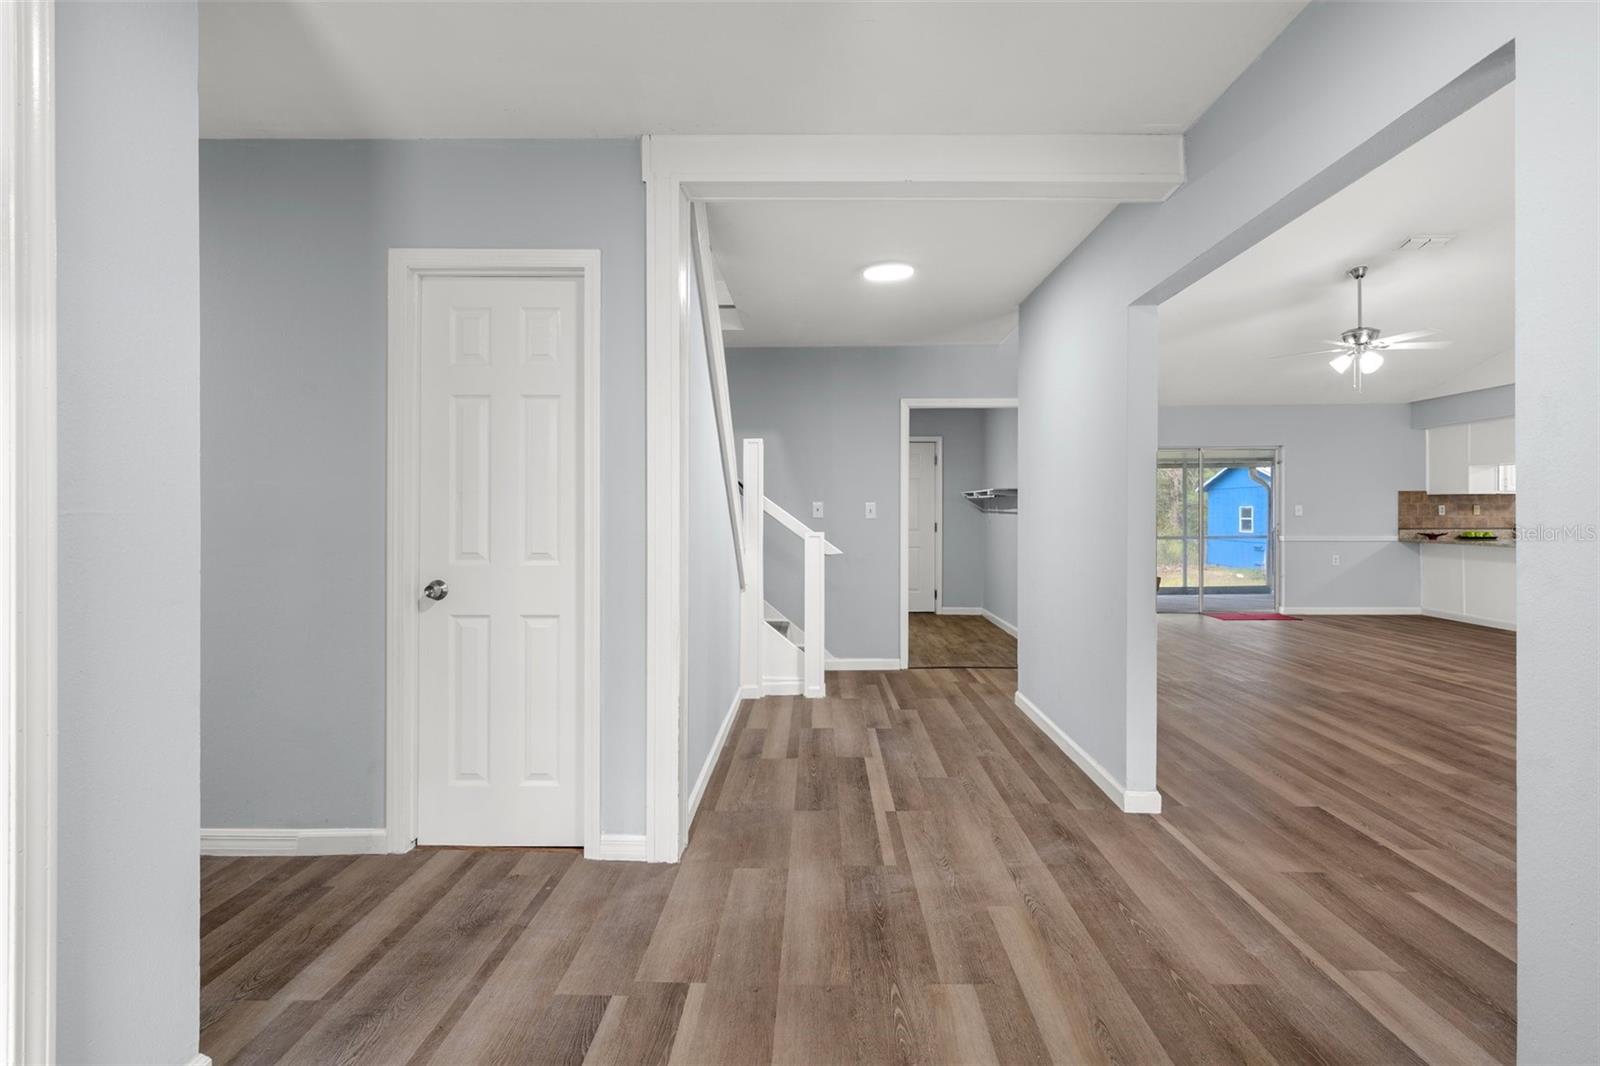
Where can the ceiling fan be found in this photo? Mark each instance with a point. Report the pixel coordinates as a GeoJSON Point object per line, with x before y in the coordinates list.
{"type": "Point", "coordinates": [1361, 349]}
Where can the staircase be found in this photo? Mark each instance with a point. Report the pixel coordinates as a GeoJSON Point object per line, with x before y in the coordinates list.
{"type": "Point", "coordinates": [777, 657]}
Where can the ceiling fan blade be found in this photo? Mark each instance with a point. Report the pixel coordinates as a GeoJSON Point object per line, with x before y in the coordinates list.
{"type": "Point", "coordinates": [1413, 345]}
{"type": "Point", "coordinates": [1416, 334]}
{"type": "Point", "coordinates": [1307, 355]}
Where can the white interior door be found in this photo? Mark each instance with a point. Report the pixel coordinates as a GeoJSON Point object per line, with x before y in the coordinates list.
{"type": "Point", "coordinates": [922, 526]}
{"type": "Point", "coordinates": [498, 714]}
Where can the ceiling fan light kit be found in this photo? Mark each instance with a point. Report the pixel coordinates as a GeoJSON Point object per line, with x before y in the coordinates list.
{"type": "Point", "coordinates": [1363, 346]}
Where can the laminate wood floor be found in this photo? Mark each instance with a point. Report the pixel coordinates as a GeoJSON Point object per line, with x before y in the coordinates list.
{"type": "Point", "coordinates": [908, 871]}
{"type": "Point", "coordinates": [958, 640]}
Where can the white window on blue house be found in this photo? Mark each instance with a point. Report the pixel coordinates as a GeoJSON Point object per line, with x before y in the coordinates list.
{"type": "Point", "coordinates": [1247, 519]}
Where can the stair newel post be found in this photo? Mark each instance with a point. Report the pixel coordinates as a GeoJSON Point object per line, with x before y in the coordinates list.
{"type": "Point", "coordinates": [753, 605]}
{"type": "Point", "coordinates": [815, 684]}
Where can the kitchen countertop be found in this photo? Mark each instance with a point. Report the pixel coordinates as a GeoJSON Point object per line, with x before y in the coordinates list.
{"type": "Point", "coordinates": [1505, 538]}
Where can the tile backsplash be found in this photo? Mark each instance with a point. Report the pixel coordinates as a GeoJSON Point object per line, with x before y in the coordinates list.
{"type": "Point", "coordinates": [1419, 510]}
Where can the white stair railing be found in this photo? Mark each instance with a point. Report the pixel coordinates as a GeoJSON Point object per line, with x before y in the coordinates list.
{"type": "Point", "coordinates": [769, 659]}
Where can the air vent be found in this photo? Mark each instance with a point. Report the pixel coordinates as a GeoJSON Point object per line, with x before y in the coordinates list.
{"type": "Point", "coordinates": [1426, 241]}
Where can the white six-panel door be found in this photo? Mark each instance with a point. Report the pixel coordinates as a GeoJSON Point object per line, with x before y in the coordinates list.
{"type": "Point", "coordinates": [498, 728]}
{"type": "Point", "coordinates": [922, 513]}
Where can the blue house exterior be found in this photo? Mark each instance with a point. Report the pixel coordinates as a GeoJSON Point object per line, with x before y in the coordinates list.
{"type": "Point", "coordinates": [1237, 507]}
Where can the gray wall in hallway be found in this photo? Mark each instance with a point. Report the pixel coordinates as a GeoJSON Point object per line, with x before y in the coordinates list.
{"type": "Point", "coordinates": [965, 536]}
{"type": "Point", "coordinates": [1280, 139]}
{"type": "Point", "coordinates": [1344, 464]}
{"type": "Point", "coordinates": [128, 741]}
{"type": "Point", "coordinates": [294, 239]}
{"type": "Point", "coordinates": [1000, 471]}
{"type": "Point", "coordinates": [831, 420]}
{"type": "Point", "coordinates": [1480, 405]}
{"type": "Point", "coordinates": [712, 639]}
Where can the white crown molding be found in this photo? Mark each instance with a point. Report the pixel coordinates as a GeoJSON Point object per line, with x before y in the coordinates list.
{"type": "Point", "coordinates": [1131, 801]}
{"type": "Point", "coordinates": [294, 841]}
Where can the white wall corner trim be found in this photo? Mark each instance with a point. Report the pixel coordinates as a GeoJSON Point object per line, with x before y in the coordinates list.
{"type": "Point", "coordinates": [863, 664]}
{"type": "Point", "coordinates": [407, 268]}
{"type": "Point", "coordinates": [1131, 801]}
{"type": "Point", "coordinates": [619, 847]}
{"type": "Point", "coordinates": [294, 841]}
{"type": "Point", "coordinates": [999, 622]}
{"type": "Point", "coordinates": [28, 489]}
{"type": "Point", "coordinates": [704, 777]}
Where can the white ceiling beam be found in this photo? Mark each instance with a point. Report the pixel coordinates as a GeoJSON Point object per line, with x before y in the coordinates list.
{"type": "Point", "coordinates": [1123, 167]}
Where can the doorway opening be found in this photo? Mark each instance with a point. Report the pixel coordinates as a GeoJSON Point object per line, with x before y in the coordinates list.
{"type": "Point", "coordinates": [958, 534]}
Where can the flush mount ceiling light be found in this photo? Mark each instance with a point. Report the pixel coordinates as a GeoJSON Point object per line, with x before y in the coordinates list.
{"type": "Point", "coordinates": [1363, 346]}
{"type": "Point", "coordinates": [883, 272]}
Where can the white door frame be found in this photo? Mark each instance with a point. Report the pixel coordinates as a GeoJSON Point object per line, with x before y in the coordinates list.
{"type": "Point", "coordinates": [407, 268]}
{"type": "Point", "coordinates": [938, 522]}
{"type": "Point", "coordinates": [906, 406]}
{"type": "Point", "coordinates": [681, 170]}
{"type": "Point", "coordinates": [28, 492]}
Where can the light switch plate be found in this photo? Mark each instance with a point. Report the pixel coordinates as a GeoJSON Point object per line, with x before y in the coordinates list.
{"type": "Point", "coordinates": [1299, 510]}
{"type": "Point", "coordinates": [816, 508]}
{"type": "Point", "coordinates": [872, 509]}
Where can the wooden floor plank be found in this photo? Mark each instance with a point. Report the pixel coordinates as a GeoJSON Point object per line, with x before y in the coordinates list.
{"type": "Point", "coordinates": [910, 871]}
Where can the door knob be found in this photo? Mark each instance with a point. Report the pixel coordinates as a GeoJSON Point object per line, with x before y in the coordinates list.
{"type": "Point", "coordinates": [436, 590]}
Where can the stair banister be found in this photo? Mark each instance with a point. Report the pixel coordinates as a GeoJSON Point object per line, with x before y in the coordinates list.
{"type": "Point", "coordinates": [816, 586]}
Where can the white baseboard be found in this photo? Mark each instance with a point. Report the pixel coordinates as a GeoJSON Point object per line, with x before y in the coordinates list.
{"type": "Point", "coordinates": [959, 610]}
{"type": "Point", "coordinates": [200, 1060]}
{"type": "Point", "coordinates": [862, 664]}
{"type": "Point", "coordinates": [1350, 610]}
{"type": "Point", "coordinates": [620, 847]}
{"type": "Point", "coordinates": [293, 841]}
{"type": "Point", "coordinates": [717, 744]}
{"type": "Point", "coordinates": [783, 686]}
{"type": "Point", "coordinates": [1131, 801]}
{"type": "Point", "coordinates": [1000, 622]}
{"type": "Point", "coordinates": [1470, 619]}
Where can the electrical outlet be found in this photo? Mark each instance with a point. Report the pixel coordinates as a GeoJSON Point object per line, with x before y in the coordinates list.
{"type": "Point", "coordinates": [1299, 510]}
{"type": "Point", "coordinates": [816, 508]}
{"type": "Point", "coordinates": [872, 509]}
{"type": "Point", "coordinates": [1477, 508]}
{"type": "Point", "coordinates": [1335, 560]}
{"type": "Point", "coordinates": [1441, 508]}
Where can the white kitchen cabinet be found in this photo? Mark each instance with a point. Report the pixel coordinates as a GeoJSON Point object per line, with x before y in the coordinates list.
{"type": "Point", "coordinates": [1448, 459]}
{"type": "Point", "coordinates": [1472, 457]}
{"type": "Point", "coordinates": [1474, 583]}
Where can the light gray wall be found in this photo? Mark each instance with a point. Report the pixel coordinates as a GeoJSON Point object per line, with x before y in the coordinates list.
{"type": "Point", "coordinates": [1345, 465]}
{"type": "Point", "coordinates": [713, 635]}
{"type": "Point", "coordinates": [965, 536]}
{"type": "Point", "coordinates": [831, 420]}
{"type": "Point", "coordinates": [1283, 137]}
{"type": "Point", "coordinates": [1480, 405]}
{"type": "Point", "coordinates": [1000, 471]}
{"type": "Point", "coordinates": [294, 237]}
{"type": "Point", "coordinates": [129, 534]}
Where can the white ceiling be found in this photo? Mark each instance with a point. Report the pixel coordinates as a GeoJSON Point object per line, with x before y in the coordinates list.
{"type": "Point", "coordinates": [1289, 292]}
{"type": "Point", "coordinates": [459, 69]}
{"type": "Point", "coordinates": [793, 267]}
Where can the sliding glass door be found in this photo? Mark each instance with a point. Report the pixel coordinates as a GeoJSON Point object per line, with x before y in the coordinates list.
{"type": "Point", "coordinates": [1216, 529]}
